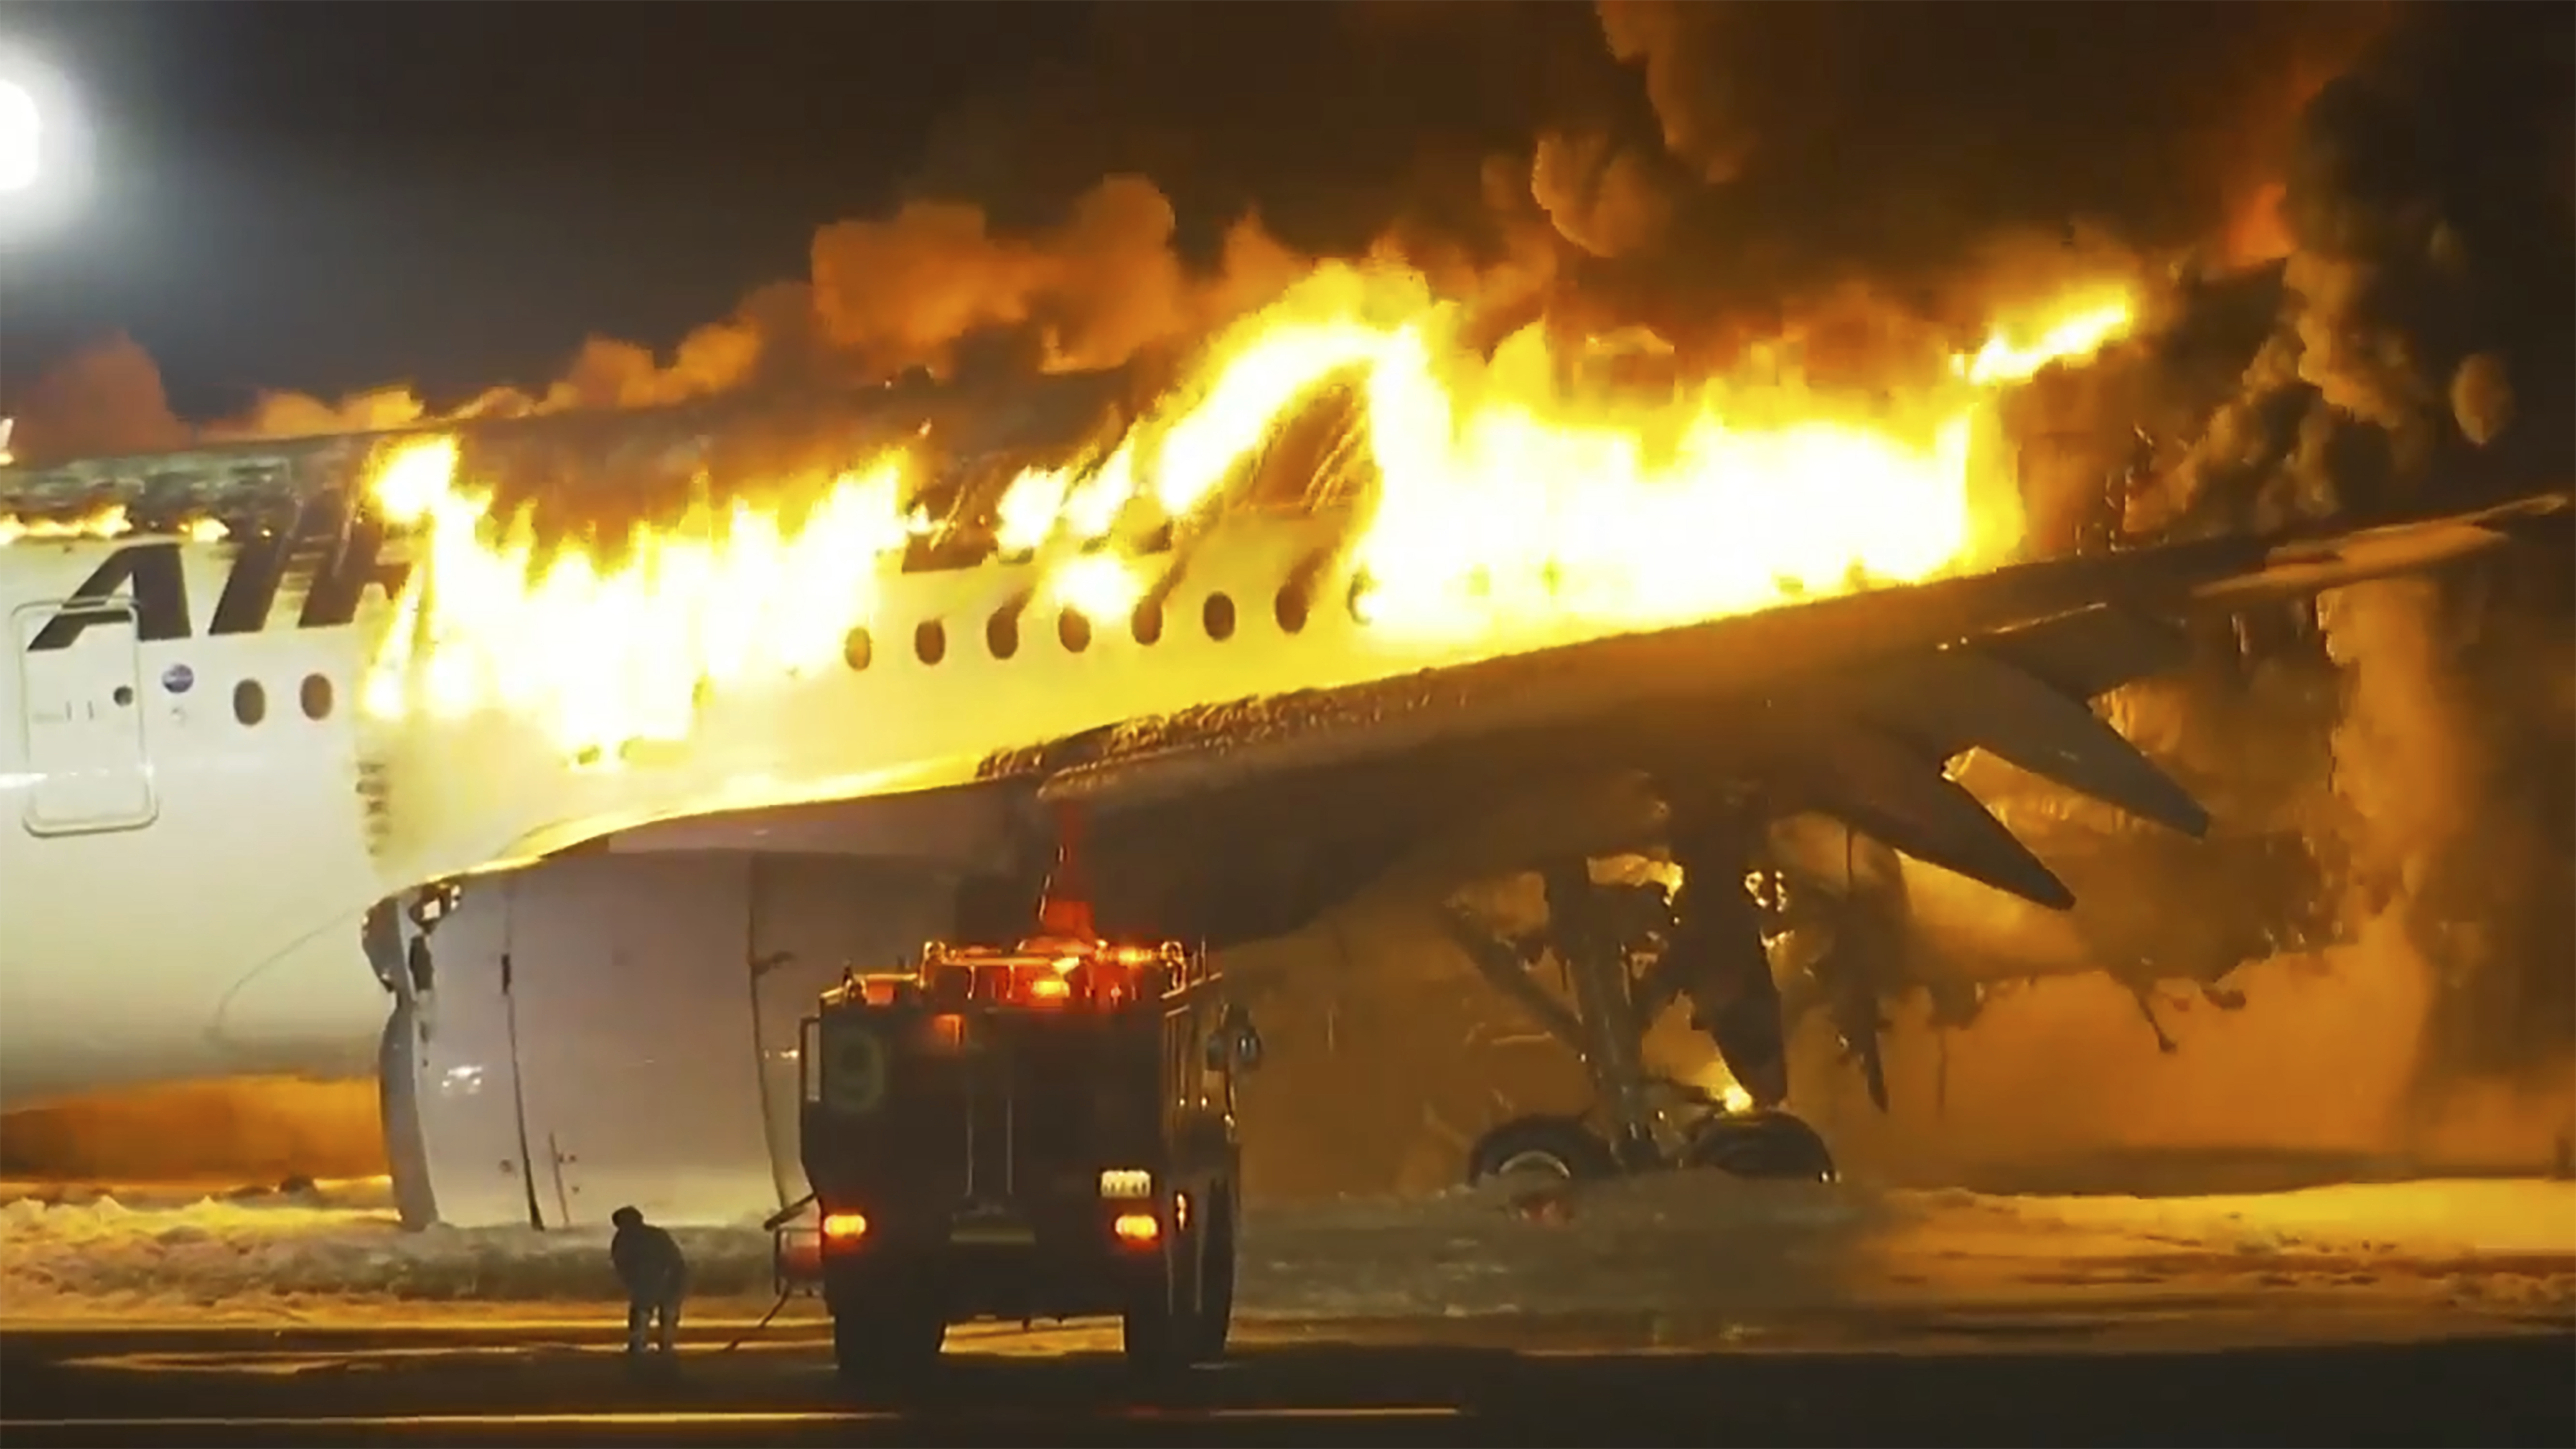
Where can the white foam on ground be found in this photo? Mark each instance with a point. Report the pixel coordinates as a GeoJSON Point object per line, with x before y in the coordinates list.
{"type": "Point", "coordinates": [1694, 1243]}
{"type": "Point", "coordinates": [1685, 1244]}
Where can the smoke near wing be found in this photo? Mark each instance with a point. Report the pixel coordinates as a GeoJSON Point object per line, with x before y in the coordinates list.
{"type": "Point", "coordinates": [2412, 346]}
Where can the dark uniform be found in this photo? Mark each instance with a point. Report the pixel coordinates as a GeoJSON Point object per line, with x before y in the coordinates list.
{"type": "Point", "coordinates": [656, 1276]}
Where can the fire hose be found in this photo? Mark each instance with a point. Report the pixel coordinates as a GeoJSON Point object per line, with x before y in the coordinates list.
{"type": "Point", "coordinates": [753, 1332]}
{"type": "Point", "coordinates": [771, 1225]}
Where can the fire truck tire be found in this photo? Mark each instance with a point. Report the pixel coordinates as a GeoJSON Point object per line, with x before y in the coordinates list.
{"type": "Point", "coordinates": [1559, 1145]}
{"type": "Point", "coordinates": [1158, 1329]}
{"type": "Point", "coordinates": [1213, 1323]}
{"type": "Point", "coordinates": [1148, 1332]}
{"type": "Point", "coordinates": [886, 1340]}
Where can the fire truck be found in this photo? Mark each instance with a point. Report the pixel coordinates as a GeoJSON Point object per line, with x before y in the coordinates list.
{"type": "Point", "coordinates": [1043, 1131]}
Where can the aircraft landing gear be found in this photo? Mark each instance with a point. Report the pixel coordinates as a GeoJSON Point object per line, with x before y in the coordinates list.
{"type": "Point", "coordinates": [1561, 1147]}
{"type": "Point", "coordinates": [2144, 994]}
{"type": "Point", "coordinates": [1761, 1144]}
{"type": "Point", "coordinates": [1617, 945]}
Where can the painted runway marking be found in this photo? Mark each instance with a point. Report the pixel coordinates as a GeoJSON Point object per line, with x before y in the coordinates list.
{"type": "Point", "coordinates": [990, 1340]}
{"type": "Point", "coordinates": [705, 1418]}
{"type": "Point", "coordinates": [292, 1361]}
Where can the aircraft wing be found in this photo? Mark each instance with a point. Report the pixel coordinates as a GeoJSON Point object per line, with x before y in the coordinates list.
{"type": "Point", "coordinates": [1237, 821]}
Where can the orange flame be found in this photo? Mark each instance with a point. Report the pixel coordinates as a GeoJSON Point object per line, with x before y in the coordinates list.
{"type": "Point", "coordinates": [1505, 497]}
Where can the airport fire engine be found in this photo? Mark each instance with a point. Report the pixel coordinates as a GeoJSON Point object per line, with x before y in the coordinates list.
{"type": "Point", "coordinates": [1042, 1131]}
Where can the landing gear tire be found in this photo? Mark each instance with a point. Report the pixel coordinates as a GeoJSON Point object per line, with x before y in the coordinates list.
{"type": "Point", "coordinates": [1762, 1146]}
{"type": "Point", "coordinates": [887, 1342]}
{"type": "Point", "coordinates": [1560, 1146]}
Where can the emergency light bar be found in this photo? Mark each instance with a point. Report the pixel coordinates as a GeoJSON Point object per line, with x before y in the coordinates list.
{"type": "Point", "coordinates": [1037, 975]}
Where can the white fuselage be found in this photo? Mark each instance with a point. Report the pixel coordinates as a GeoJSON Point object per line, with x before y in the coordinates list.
{"type": "Point", "coordinates": [179, 891]}
{"type": "Point", "coordinates": [183, 876]}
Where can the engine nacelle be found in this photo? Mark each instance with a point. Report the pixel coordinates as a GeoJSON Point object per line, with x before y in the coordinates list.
{"type": "Point", "coordinates": [605, 1029]}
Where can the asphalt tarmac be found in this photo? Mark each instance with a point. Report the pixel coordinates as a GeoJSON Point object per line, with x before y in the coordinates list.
{"type": "Point", "coordinates": [1495, 1382]}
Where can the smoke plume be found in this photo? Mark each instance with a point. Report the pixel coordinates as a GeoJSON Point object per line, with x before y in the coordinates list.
{"type": "Point", "coordinates": [1713, 170]}
{"type": "Point", "coordinates": [2411, 349]}
{"type": "Point", "coordinates": [1095, 291]}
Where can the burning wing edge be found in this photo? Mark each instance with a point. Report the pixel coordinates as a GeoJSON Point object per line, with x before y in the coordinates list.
{"type": "Point", "coordinates": [1850, 706]}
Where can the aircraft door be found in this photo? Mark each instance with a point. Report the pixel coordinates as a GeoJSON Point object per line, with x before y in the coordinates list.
{"type": "Point", "coordinates": [82, 713]}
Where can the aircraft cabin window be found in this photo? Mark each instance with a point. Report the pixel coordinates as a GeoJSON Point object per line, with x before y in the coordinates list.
{"type": "Point", "coordinates": [1002, 632]}
{"type": "Point", "coordinates": [250, 702]}
{"type": "Point", "coordinates": [1147, 624]}
{"type": "Point", "coordinates": [929, 642]}
{"type": "Point", "coordinates": [315, 696]}
{"type": "Point", "coordinates": [1290, 607]}
{"type": "Point", "coordinates": [857, 649]}
{"type": "Point", "coordinates": [1073, 631]}
{"type": "Point", "coordinates": [1217, 614]}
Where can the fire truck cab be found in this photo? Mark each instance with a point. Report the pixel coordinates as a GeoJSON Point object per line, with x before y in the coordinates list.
{"type": "Point", "coordinates": [1044, 1131]}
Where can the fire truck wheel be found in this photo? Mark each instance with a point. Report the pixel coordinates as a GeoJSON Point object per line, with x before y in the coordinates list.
{"type": "Point", "coordinates": [1157, 1328]}
{"type": "Point", "coordinates": [1146, 1332]}
{"type": "Point", "coordinates": [886, 1340]}
{"type": "Point", "coordinates": [1559, 1146]}
{"type": "Point", "coordinates": [1213, 1323]}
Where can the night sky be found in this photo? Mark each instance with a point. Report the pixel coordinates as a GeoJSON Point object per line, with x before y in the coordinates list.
{"type": "Point", "coordinates": [334, 196]}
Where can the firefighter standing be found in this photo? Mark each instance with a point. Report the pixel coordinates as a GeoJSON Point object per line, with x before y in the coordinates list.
{"type": "Point", "coordinates": [656, 1276]}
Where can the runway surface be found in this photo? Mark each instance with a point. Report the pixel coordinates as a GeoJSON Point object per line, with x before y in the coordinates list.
{"type": "Point", "coordinates": [1531, 1380]}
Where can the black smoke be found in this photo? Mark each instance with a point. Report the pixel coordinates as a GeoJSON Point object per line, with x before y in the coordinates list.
{"type": "Point", "coordinates": [1716, 170]}
{"type": "Point", "coordinates": [2415, 349]}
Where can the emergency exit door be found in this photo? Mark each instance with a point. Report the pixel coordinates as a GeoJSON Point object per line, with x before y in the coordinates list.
{"type": "Point", "coordinates": [81, 711]}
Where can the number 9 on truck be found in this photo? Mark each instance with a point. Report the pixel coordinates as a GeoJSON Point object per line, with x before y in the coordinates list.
{"type": "Point", "coordinates": [854, 1069]}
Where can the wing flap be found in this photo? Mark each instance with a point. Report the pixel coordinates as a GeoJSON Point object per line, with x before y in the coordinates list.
{"type": "Point", "coordinates": [1880, 787]}
{"type": "Point", "coordinates": [1968, 698]}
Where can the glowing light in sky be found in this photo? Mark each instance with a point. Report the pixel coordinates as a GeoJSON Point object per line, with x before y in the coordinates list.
{"type": "Point", "coordinates": [21, 138]}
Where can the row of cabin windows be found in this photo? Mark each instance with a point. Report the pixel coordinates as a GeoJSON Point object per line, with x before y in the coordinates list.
{"type": "Point", "coordinates": [1073, 627]}
{"type": "Point", "coordinates": [250, 699]}
{"type": "Point", "coordinates": [929, 643]}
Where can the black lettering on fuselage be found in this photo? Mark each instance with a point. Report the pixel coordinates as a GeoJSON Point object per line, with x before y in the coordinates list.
{"type": "Point", "coordinates": [250, 590]}
{"type": "Point", "coordinates": [357, 564]}
{"type": "Point", "coordinates": [343, 554]}
{"type": "Point", "coordinates": [151, 572]}
{"type": "Point", "coordinates": [345, 558]}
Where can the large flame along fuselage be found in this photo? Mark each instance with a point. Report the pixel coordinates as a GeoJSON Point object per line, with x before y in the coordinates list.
{"type": "Point", "coordinates": [240, 736]}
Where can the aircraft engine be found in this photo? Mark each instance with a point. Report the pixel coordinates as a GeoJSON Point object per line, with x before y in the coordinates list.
{"type": "Point", "coordinates": [604, 1029]}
